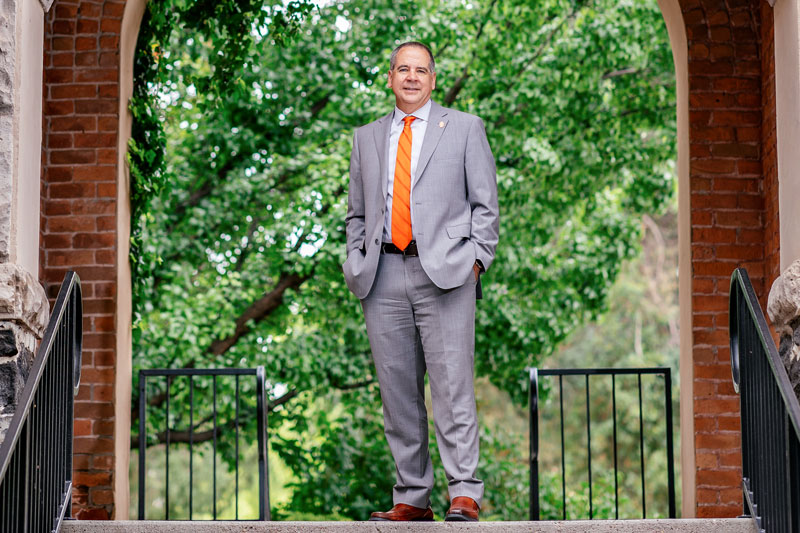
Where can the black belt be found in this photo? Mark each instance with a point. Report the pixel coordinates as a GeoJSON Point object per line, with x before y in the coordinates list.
{"type": "Point", "coordinates": [389, 248]}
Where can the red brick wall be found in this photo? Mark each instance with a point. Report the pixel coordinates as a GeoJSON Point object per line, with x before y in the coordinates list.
{"type": "Point", "coordinates": [769, 151]}
{"type": "Point", "coordinates": [728, 222]}
{"type": "Point", "coordinates": [79, 188]}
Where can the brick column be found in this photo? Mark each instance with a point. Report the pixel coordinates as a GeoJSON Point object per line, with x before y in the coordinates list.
{"type": "Point", "coordinates": [769, 149]}
{"type": "Point", "coordinates": [79, 218]}
{"type": "Point", "coordinates": [727, 213]}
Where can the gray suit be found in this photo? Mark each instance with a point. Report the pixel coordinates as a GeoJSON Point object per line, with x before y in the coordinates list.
{"type": "Point", "coordinates": [420, 311]}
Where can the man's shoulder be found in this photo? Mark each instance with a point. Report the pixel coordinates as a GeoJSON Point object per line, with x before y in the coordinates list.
{"type": "Point", "coordinates": [371, 125]}
{"type": "Point", "coordinates": [459, 116]}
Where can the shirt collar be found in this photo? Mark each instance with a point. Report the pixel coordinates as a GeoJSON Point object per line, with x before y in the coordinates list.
{"type": "Point", "coordinates": [422, 113]}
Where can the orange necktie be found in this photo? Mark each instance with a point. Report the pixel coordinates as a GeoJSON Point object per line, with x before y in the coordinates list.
{"type": "Point", "coordinates": [401, 192]}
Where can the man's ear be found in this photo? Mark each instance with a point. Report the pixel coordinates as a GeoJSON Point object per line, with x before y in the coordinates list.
{"type": "Point", "coordinates": [389, 79]}
{"type": "Point", "coordinates": [434, 82]}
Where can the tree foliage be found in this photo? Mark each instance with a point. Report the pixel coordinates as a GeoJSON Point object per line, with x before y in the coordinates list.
{"type": "Point", "coordinates": [241, 247]}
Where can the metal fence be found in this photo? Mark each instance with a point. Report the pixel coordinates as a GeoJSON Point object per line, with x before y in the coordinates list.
{"type": "Point", "coordinates": [203, 429]}
{"type": "Point", "coordinates": [770, 415]}
{"type": "Point", "coordinates": [613, 373]}
{"type": "Point", "coordinates": [36, 455]}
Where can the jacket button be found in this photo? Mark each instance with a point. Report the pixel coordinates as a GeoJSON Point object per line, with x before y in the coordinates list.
{"type": "Point", "coordinates": [376, 241]}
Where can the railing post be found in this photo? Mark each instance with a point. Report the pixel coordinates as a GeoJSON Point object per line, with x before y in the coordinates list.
{"type": "Point", "coordinates": [142, 441]}
{"type": "Point", "coordinates": [26, 472]}
{"type": "Point", "coordinates": [263, 473]}
{"type": "Point", "coordinates": [533, 402]}
{"type": "Point", "coordinates": [670, 453]}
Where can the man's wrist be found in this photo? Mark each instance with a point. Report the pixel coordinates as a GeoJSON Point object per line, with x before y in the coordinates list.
{"type": "Point", "coordinates": [480, 265]}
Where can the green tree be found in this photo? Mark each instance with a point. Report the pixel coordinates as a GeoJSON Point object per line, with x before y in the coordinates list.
{"type": "Point", "coordinates": [639, 329]}
{"type": "Point", "coordinates": [240, 253]}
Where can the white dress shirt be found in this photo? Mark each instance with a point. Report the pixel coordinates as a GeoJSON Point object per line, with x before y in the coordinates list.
{"type": "Point", "coordinates": [418, 128]}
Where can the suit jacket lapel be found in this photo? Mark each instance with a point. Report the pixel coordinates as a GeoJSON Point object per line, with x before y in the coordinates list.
{"type": "Point", "coordinates": [381, 134]}
{"type": "Point", "coordinates": [432, 135]}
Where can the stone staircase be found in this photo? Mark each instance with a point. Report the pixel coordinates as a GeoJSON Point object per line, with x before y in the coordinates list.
{"type": "Point", "coordinates": [712, 525]}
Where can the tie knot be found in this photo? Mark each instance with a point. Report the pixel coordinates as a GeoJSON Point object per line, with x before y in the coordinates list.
{"type": "Point", "coordinates": [409, 119]}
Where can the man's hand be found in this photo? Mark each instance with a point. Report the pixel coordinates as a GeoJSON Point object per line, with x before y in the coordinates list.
{"type": "Point", "coordinates": [477, 270]}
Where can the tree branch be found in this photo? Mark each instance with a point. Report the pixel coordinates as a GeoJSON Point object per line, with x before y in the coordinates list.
{"type": "Point", "coordinates": [246, 250]}
{"type": "Point", "coordinates": [197, 437]}
{"type": "Point", "coordinates": [283, 399]}
{"type": "Point", "coordinates": [185, 436]}
{"type": "Point", "coordinates": [452, 94]}
{"type": "Point", "coordinates": [258, 310]}
{"type": "Point", "coordinates": [621, 72]}
{"type": "Point", "coordinates": [354, 385]}
{"type": "Point", "coordinates": [530, 59]}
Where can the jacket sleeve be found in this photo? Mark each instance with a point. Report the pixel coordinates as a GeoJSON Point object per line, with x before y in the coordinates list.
{"type": "Point", "coordinates": [481, 176]}
{"type": "Point", "coordinates": [354, 220]}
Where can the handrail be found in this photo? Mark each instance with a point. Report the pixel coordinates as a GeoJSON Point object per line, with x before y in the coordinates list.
{"type": "Point", "coordinates": [36, 455]}
{"type": "Point", "coordinates": [770, 414]}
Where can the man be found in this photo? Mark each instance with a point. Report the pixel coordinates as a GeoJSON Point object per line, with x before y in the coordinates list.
{"type": "Point", "coordinates": [422, 224]}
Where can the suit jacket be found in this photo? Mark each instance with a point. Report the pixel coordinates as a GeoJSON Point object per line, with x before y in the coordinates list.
{"type": "Point", "coordinates": [455, 216]}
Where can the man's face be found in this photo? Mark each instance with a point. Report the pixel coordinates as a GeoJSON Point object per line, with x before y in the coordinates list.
{"type": "Point", "coordinates": [411, 79]}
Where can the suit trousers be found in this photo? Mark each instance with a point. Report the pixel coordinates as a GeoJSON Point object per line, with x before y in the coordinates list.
{"type": "Point", "coordinates": [413, 327]}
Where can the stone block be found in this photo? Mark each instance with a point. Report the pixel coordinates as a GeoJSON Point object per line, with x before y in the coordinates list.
{"type": "Point", "coordinates": [783, 304]}
{"type": "Point", "coordinates": [22, 299]}
{"type": "Point", "coordinates": [5, 423]}
{"type": "Point", "coordinates": [14, 371]}
{"type": "Point", "coordinates": [783, 308]}
{"type": "Point", "coordinates": [24, 311]}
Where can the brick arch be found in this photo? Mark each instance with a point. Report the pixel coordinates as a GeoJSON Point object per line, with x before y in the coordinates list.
{"type": "Point", "coordinates": [730, 184]}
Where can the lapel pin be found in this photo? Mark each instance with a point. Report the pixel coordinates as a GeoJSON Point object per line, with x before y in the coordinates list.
{"type": "Point", "coordinates": [441, 124]}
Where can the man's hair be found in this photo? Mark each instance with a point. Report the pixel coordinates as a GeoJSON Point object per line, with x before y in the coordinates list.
{"type": "Point", "coordinates": [393, 57]}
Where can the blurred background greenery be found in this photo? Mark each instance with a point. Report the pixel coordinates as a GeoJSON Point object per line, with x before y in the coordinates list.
{"type": "Point", "coordinates": [244, 114]}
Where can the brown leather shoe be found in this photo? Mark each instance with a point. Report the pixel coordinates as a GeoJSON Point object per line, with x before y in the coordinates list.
{"type": "Point", "coordinates": [462, 509]}
{"type": "Point", "coordinates": [403, 513]}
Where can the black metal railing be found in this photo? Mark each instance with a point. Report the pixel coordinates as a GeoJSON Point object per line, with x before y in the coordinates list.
{"type": "Point", "coordinates": [36, 455]}
{"type": "Point", "coordinates": [204, 428]}
{"type": "Point", "coordinates": [770, 415]}
{"type": "Point", "coordinates": [613, 373]}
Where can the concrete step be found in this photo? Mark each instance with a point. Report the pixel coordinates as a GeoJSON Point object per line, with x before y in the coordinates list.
{"type": "Point", "coordinates": [711, 525]}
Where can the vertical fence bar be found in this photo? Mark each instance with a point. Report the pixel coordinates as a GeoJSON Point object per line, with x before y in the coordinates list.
{"type": "Point", "coordinates": [563, 460]}
{"type": "Point", "coordinates": [670, 452]}
{"type": "Point", "coordinates": [166, 450]}
{"type": "Point", "coordinates": [191, 446]}
{"type": "Point", "coordinates": [616, 474]}
{"type": "Point", "coordinates": [641, 446]}
{"type": "Point", "coordinates": [33, 444]}
{"type": "Point", "coordinates": [26, 472]}
{"type": "Point", "coordinates": [589, 444]}
{"type": "Point", "coordinates": [794, 480]}
{"type": "Point", "coordinates": [237, 447]}
{"type": "Point", "coordinates": [214, 455]}
{"type": "Point", "coordinates": [786, 479]}
{"type": "Point", "coordinates": [142, 441]}
{"type": "Point", "coordinates": [263, 473]}
{"type": "Point", "coordinates": [533, 424]}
